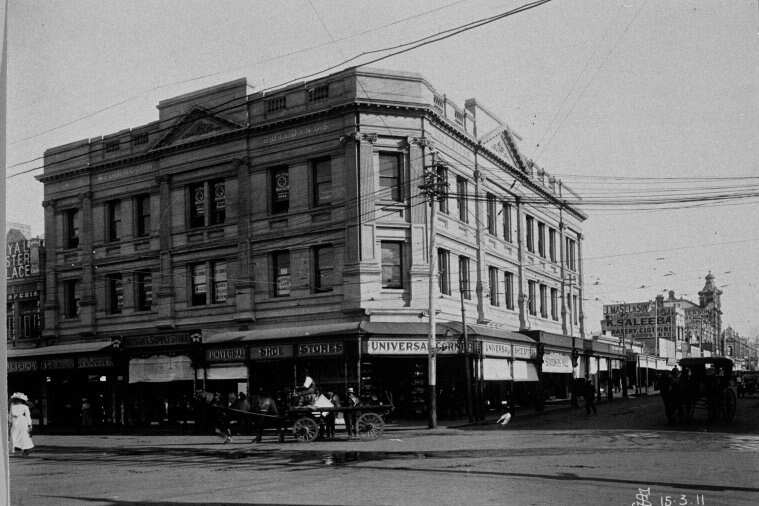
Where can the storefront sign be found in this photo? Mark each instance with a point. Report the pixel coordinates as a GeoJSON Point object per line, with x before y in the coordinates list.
{"type": "Point", "coordinates": [320, 349]}
{"type": "Point", "coordinates": [294, 133]}
{"type": "Point", "coordinates": [496, 349]}
{"type": "Point", "coordinates": [614, 310]}
{"type": "Point", "coordinates": [93, 362]}
{"type": "Point", "coordinates": [525, 352]}
{"type": "Point", "coordinates": [57, 363]}
{"type": "Point", "coordinates": [414, 347]}
{"type": "Point", "coordinates": [22, 259]}
{"type": "Point", "coordinates": [29, 294]}
{"type": "Point", "coordinates": [268, 352]}
{"type": "Point", "coordinates": [22, 366]}
{"type": "Point", "coordinates": [557, 363]}
{"type": "Point", "coordinates": [156, 340]}
{"type": "Point", "coordinates": [226, 355]}
{"type": "Point", "coordinates": [123, 173]}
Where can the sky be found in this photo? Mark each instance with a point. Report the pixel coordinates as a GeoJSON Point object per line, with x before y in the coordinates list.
{"type": "Point", "coordinates": [629, 102]}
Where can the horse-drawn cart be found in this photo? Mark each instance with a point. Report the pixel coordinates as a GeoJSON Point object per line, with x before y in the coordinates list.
{"type": "Point", "coordinates": [308, 421]}
{"type": "Point", "coordinates": [701, 382]}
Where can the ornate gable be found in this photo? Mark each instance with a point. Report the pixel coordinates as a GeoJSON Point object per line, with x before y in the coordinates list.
{"type": "Point", "coordinates": [501, 141]}
{"type": "Point", "coordinates": [194, 125]}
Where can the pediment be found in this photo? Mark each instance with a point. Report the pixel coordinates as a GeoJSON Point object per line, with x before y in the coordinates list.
{"type": "Point", "coordinates": [194, 125]}
{"type": "Point", "coordinates": [501, 142]}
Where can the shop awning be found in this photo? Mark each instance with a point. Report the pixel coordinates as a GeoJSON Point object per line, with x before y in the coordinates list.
{"type": "Point", "coordinates": [59, 349]}
{"type": "Point", "coordinates": [496, 369]}
{"type": "Point", "coordinates": [279, 332]}
{"type": "Point", "coordinates": [160, 369]}
{"type": "Point", "coordinates": [226, 372]}
{"type": "Point", "coordinates": [525, 371]}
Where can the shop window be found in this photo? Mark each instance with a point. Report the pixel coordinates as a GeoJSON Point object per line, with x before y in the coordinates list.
{"type": "Point", "coordinates": [493, 278]}
{"type": "Point", "coordinates": [144, 291]}
{"type": "Point", "coordinates": [544, 301]}
{"type": "Point", "coordinates": [542, 239]}
{"type": "Point", "coordinates": [71, 294]}
{"type": "Point", "coordinates": [390, 176]}
{"type": "Point", "coordinates": [530, 233]}
{"type": "Point", "coordinates": [204, 196]}
{"type": "Point", "coordinates": [208, 289]}
{"type": "Point", "coordinates": [554, 304]}
{"type": "Point", "coordinates": [323, 269]}
{"type": "Point", "coordinates": [442, 181]}
{"type": "Point", "coordinates": [444, 271]}
{"type": "Point", "coordinates": [532, 303]}
{"type": "Point", "coordinates": [71, 228]}
{"type": "Point", "coordinates": [552, 244]}
{"type": "Point", "coordinates": [491, 213]}
{"type": "Point", "coordinates": [280, 189]}
{"type": "Point", "coordinates": [392, 264]}
{"type": "Point", "coordinates": [462, 198]}
{"type": "Point", "coordinates": [113, 218]}
{"type": "Point", "coordinates": [142, 215]}
{"type": "Point", "coordinates": [322, 178]}
{"type": "Point", "coordinates": [115, 289]}
{"type": "Point", "coordinates": [506, 210]}
{"type": "Point", "coordinates": [464, 279]}
{"type": "Point", "coordinates": [509, 289]}
{"type": "Point", "coordinates": [281, 273]}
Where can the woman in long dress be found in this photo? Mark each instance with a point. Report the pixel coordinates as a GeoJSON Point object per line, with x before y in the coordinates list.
{"type": "Point", "coordinates": [21, 424]}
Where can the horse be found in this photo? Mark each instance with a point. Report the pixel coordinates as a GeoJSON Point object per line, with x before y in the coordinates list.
{"type": "Point", "coordinates": [208, 405]}
{"type": "Point", "coordinates": [265, 406]}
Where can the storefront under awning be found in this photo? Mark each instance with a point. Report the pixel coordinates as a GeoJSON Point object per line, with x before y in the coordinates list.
{"type": "Point", "coordinates": [226, 372]}
{"type": "Point", "coordinates": [160, 369]}
{"type": "Point", "coordinates": [525, 371]}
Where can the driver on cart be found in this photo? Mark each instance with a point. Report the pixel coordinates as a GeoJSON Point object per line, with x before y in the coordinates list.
{"type": "Point", "coordinates": [306, 392]}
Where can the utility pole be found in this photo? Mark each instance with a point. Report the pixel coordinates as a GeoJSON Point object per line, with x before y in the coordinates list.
{"type": "Point", "coordinates": [433, 190]}
{"type": "Point", "coordinates": [465, 337]}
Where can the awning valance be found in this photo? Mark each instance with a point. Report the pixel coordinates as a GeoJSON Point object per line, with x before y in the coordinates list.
{"type": "Point", "coordinates": [59, 349]}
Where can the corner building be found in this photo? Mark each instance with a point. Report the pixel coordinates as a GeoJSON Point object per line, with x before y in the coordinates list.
{"type": "Point", "coordinates": [240, 239]}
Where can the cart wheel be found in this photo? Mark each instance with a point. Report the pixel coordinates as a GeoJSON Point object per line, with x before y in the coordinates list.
{"type": "Point", "coordinates": [370, 426]}
{"type": "Point", "coordinates": [305, 429]}
{"type": "Point", "coordinates": [728, 406]}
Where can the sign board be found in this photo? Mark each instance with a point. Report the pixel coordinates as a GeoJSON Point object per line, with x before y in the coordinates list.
{"type": "Point", "coordinates": [491, 349]}
{"type": "Point", "coordinates": [22, 259]}
{"type": "Point", "coordinates": [226, 355]}
{"type": "Point", "coordinates": [93, 362]}
{"type": "Point", "coordinates": [271, 352]}
{"type": "Point", "coordinates": [148, 340]}
{"type": "Point", "coordinates": [557, 362]}
{"type": "Point", "coordinates": [321, 349]}
{"type": "Point", "coordinates": [414, 347]}
{"type": "Point", "coordinates": [22, 366]}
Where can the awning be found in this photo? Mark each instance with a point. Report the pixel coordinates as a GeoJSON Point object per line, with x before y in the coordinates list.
{"type": "Point", "coordinates": [525, 371]}
{"type": "Point", "coordinates": [227, 372]}
{"type": "Point", "coordinates": [557, 363]}
{"type": "Point", "coordinates": [59, 349]}
{"type": "Point", "coordinates": [496, 369]}
{"type": "Point", "coordinates": [160, 369]}
{"type": "Point", "coordinates": [279, 332]}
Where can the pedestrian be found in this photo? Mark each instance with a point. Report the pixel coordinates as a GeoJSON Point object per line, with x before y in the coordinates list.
{"type": "Point", "coordinates": [86, 412]}
{"type": "Point", "coordinates": [350, 416]}
{"type": "Point", "coordinates": [329, 419]}
{"type": "Point", "coordinates": [21, 424]}
{"type": "Point", "coordinates": [221, 418]}
{"type": "Point", "coordinates": [590, 396]}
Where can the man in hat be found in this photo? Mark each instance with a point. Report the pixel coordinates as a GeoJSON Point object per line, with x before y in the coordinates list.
{"type": "Point", "coordinates": [350, 416]}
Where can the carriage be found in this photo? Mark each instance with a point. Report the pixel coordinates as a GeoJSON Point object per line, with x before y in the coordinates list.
{"type": "Point", "coordinates": [308, 421]}
{"type": "Point", "coordinates": [701, 382]}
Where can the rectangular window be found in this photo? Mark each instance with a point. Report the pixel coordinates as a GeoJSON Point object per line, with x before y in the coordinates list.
{"type": "Point", "coordinates": [532, 303]}
{"type": "Point", "coordinates": [508, 282]}
{"type": "Point", "coordinates": [114, 220]}
{"type": "Point", "coordinates": [115, 288]}
{"type": "Point", "coordinates": [10, 320]}
{"type": "Point", "coordinates": [493, 278]}
{"type": "Point", "coordinates": [280, 189]}
{"type": "Point", "coordinates": [281, 273]}
{"type": "Point", "coordinates": [390, 176]}
{"type": "Point", "coordinates": [569, 306]}
{"type": "Point", "coordinates": [30, 319]}
{"type": "Point", "coordinates": [392, 264]}
{"type": "Point", "coordinates": [530, 234]}
{"type": "Point", "coordinates": [544, 301]}
{"type": "Point", "coordinates": [322, 178]}
{"type": "Point", "coordinates": [199, 286]}
{"type": "Point", "coordinates": [554, 304]}
{"type": "Point", "coordinates": [552, 244]}
{"type": "Point", "coordinates": [575, 308]}
{"type": "Point", "coordinates": [142, 215]}
{"type": "Point", "coordinates": [197, 194]}
{"type": "Point", "coordinates": [491, 213]}
{"type": "Point", "coordinates": [444, 271]}
{"type": "Point", "coordinates": [571, 245]}
{"type": "Point", "coordinates": [461, 199]}
{"type": "Point", "coordinates": [218, 202]}
{"type": "Point", "coordinates": [464, 283]}
{"type": "Point", "coordinates": [442, 180]}
{"type": "Point", "coordinates": [542, 239]}
{"type": "Point", "coordinates": [506, 222]}
{"type": "Point", "coordinates": [144, 291]}
{"type": "Point", "coordinates": [323, 269]}
{"type": "Point", "coordinates": [71, 295]}
{"type": "Point", "coordinates": [71, 225]}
